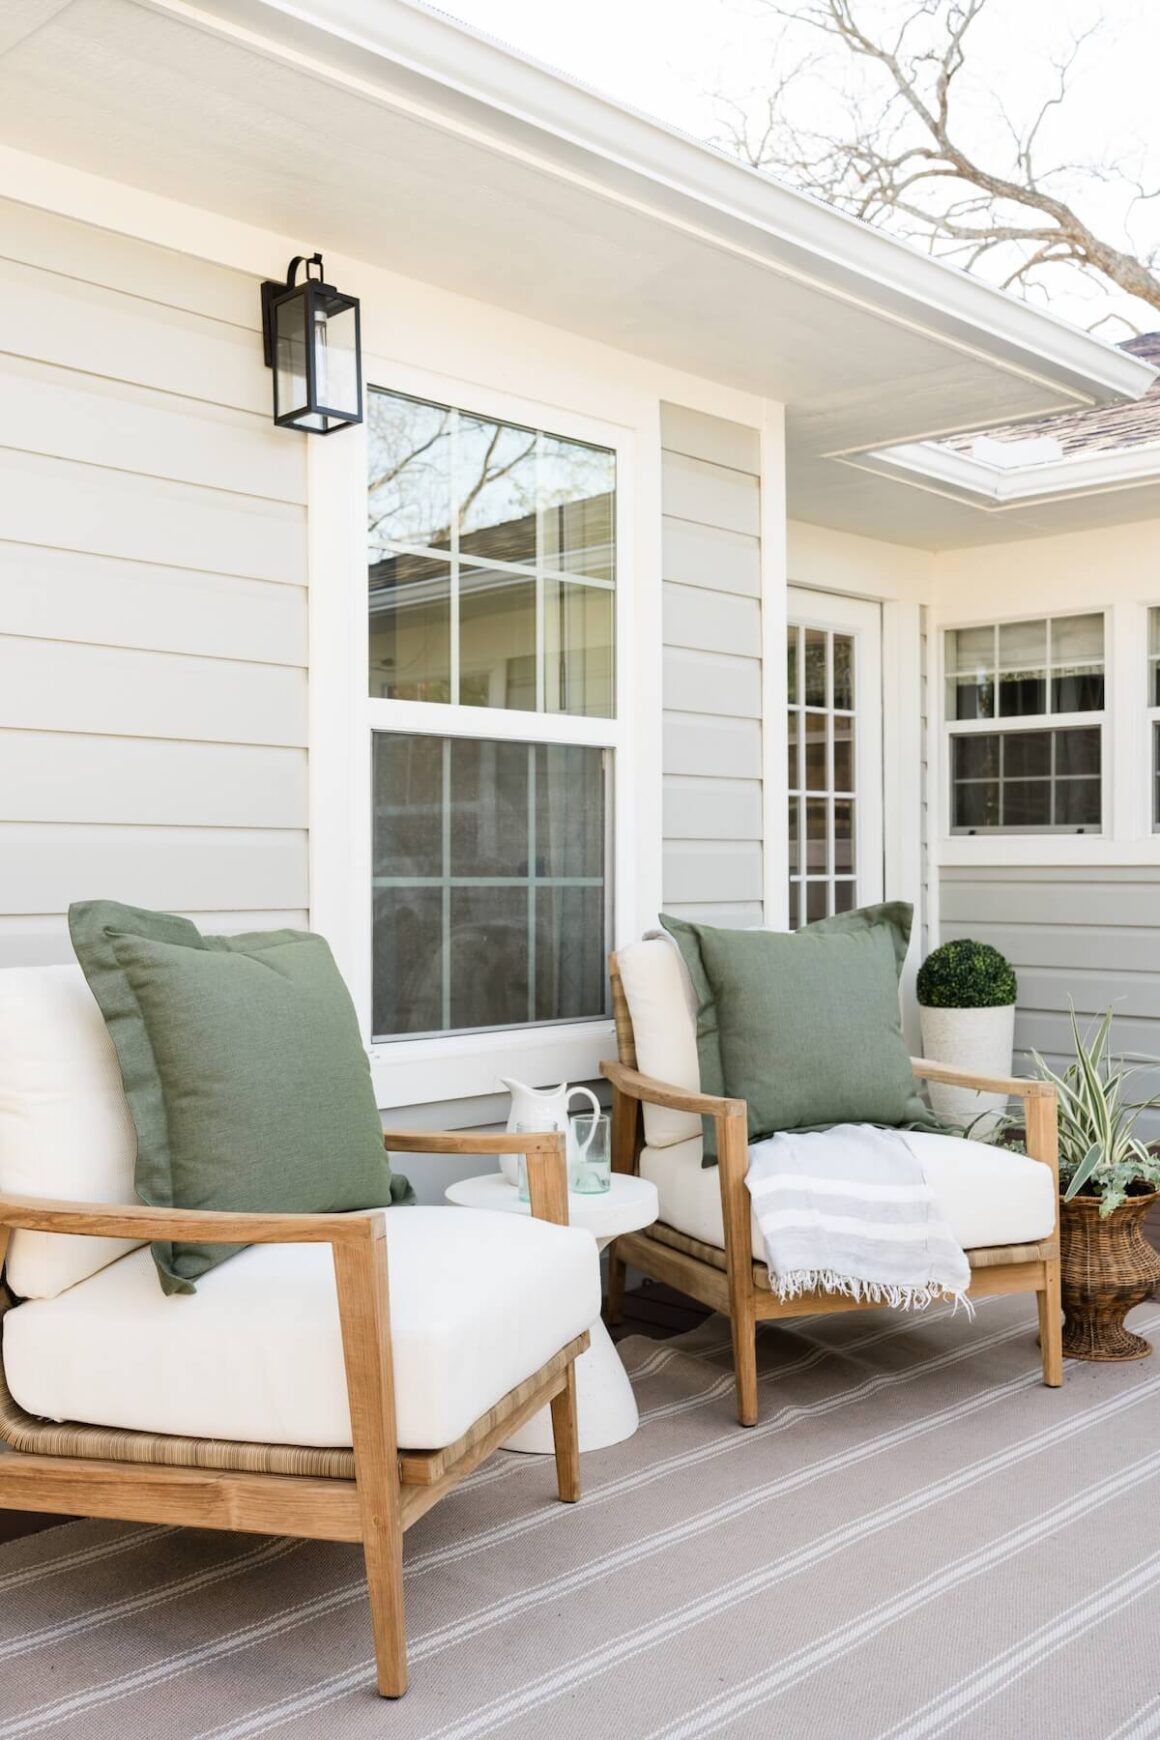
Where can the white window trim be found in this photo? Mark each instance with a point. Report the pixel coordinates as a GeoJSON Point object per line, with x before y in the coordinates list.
{"type": "Point", "coordinates": [412, 1072]}
{"type": "Point", "coordinates": [1004, 846]}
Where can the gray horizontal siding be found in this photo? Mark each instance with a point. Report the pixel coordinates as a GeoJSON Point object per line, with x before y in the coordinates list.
{"type": "Point", "coordinates": [713, 867]}
{"type": "Point", "coordinates": [1088, 937]}
{"type": "Point", "coordinates": [153, 605]}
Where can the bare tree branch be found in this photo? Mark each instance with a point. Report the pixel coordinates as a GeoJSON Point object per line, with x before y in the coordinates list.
{"type": "Point", "coordinates": [905, 159]}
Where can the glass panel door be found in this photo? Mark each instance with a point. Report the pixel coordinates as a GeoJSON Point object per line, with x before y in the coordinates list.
{"type": "Point", "coordinates": [834, 776]}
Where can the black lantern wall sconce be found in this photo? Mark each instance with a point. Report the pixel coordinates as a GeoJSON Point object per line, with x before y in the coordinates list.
{"type": "Point", "coordinates": [312, 342]}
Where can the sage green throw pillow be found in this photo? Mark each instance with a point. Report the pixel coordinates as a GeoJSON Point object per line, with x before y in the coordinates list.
{"type": "Point", "coordinates": [244, 1071]}
{"type": "Point", "coordinates": [805, 1025]}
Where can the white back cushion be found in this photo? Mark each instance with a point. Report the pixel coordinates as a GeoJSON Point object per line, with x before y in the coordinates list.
{"type": "Point", "coordinates": [65, 1129]}
{"type": "Point", "coordinates": [660, 1000]}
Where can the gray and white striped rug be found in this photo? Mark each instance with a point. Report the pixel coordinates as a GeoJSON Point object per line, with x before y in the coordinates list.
{"type": "Point", "coordinates": [917, 1540]}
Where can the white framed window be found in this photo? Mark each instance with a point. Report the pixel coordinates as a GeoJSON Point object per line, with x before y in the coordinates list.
{"type": "Point", "coordinates": [493, 715]}
{"type": "Point", "coordinates": [1025, 720]}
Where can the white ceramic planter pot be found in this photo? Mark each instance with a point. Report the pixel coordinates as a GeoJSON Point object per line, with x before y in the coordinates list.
{"type": "Point", "coordinates": [975, 1039]}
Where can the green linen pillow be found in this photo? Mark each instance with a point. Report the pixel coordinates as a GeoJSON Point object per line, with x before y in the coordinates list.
{"type": "Point", "coordinates": [243, 1068]}
{"type": "Point", "coordinates": [805, 1025]}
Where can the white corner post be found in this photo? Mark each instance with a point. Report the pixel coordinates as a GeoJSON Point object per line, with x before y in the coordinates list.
{"type": "Point", "coordinates": [774, 584]}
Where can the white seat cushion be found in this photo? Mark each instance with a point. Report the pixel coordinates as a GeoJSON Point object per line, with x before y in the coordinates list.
{"type": "Point", "coordinates": [479, 1302]}
{"type": "Point", "coordinates": [660, 1000]}
{"type": "Point", "coordinates": [988, 1196]}
{"type": "Point", "coordinates": [65, 1129]}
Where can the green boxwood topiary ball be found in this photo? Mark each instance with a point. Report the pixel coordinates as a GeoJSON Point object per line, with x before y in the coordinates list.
{"type": "Point", "coordinates": [966, 975]}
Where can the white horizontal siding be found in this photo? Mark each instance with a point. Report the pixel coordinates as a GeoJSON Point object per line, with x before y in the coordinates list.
{"type": "Point", "coordinates": [55, 776]}
{"type": "Point", "coordinates": [70, 595]}
{"type": "Point", "coordinates": [64, 505]}
{"type": "Point", "coordinates": [82, 326]}
{"type": "Point", "coordinates": [713, 495]}
{"type": "Point", "coordinates": [49, 865]}
{"type": "Point", "coordinates": [708, 556]}
{"type": "Point", "coordinates": [32, 940]}
{"type": "Point", "coordinates": [61, 686]}
{"type": "Point", "coordinates": [696, 743]}
{"type": "Point", "coordinates": [153, 622]}
{"type": "Point", "coordinates": [711, 621]}
{"type": "Point", "coordinates": [713, 864]}
{"type": "Point", "coordinates": [1083, 937]}
{"type": "Point", "coordinates": [48, 411]}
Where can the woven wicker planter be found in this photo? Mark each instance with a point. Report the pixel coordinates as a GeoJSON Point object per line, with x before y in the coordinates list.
{"type": "Point", "coordinates": [1108, 1266]}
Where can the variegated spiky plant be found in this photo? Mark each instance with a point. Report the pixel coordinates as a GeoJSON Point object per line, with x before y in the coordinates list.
{"type": "Point", "coordinates": [1099, 1150]}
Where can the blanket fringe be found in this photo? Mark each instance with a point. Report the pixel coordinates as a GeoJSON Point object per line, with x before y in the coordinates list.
{"type": "Point", "coordinates": [799, 1281]}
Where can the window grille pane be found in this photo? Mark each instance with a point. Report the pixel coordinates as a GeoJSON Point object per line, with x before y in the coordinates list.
{"type": "Point", "coordinates": [1026, 803]}
{"type": "Point", "coordinates": [1027, 755]}
{"type": "Point", "coordinates": [495, 477]}
{"type": "Point", "coordinates": [1077, 692]}
{"type": "Point", "coordinates": [409, 462]}
{"type": "Point", "coordinates": [791, 664]}
{"type": "Point", "coordinates": [1077, 639]}
{"type": "Point", "coordinates": [577, 490]}
{"type": "Point", "coordinates": [1022, 693]}
{"type": "Point", "coordinates": [1077, 752]}
{"type": "Point", "coordinates": [970, 656]}
{"type": "Point", "coordinates": [497, 639]}
{"type": "Point", "coordinates": [490, 883]}
{"type": "Point", "coordinates": [578, 649]}
{"type": "Point", "coordinates": [1022, 644]}
{"type": "Point", "coordinates": [792, 774]}
{"type": "Point", "coordinates": [487, 813]}
{"type": "Point", "coordinates": [487, 939]}
{"type": "Point", "coordinates": [1077, 803]}
{"type": "Point", "coordinates": [410, 628]}
{"type": "Point", "coordinates": [817, 901]}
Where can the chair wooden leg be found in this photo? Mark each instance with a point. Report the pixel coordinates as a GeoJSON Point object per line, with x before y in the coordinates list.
{"type": "Point", "coordinates": [383, 1550]}
{"type": "Point", "coordinates": [1051, 1326]}
{"type": "Point", "coordinates": [733, 1162]}
{"type": "Point", "coordinates": [364, 1311]}
{"type": "Point", "coordinates": [566, 1438]}
{"type": "Point", "coordinates": [614, 1310]}
{"type": "Point", "coordinates": [744, 1327]}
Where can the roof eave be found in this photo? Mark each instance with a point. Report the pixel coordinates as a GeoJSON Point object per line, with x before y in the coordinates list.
{"type": "Point", "coordinates": [479, 83]}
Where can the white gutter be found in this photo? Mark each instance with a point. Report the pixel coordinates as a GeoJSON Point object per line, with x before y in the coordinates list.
{"type": "Point", "coordinates": [994, 488]}
{"type": "Point", "coordinates": [395, 50]}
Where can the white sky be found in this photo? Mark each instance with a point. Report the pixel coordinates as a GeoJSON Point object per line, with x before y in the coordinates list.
{"type": "Point", "coordinates": [670, 59]}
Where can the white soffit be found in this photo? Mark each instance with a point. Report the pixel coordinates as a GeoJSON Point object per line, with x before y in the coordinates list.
{"type": "Point", "coordinates": [385, 132]}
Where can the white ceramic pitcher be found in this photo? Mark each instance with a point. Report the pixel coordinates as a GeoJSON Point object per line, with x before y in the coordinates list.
{"type": "Point", "coordinates": [544, 1108]}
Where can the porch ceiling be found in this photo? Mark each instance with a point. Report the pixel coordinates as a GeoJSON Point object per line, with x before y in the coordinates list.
{"type": "Point", "coordinates": [391, 135]}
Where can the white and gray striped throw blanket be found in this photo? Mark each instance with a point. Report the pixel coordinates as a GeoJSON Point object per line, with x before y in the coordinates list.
{"type": "Point", "coordinates": [848, 1210]}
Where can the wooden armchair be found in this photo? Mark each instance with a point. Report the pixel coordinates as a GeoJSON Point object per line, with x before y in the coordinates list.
{"type": "Point", "coordinates": [371, 1492]}
{"type": "Point", "coordinates": [709, 1249]}
{"type": "Point", "coordinates": [119, 1402]}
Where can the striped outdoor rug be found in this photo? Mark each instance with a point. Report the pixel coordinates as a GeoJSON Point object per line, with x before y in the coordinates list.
{"type": "Point", "coordinates": [917, 1540]}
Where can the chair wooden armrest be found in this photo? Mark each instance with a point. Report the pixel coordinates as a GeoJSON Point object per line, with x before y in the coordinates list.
{"type": "Point", "coordinates": [543, 1149]}
{"type": "Point", "coordinates": [651, 1092]}
{"type": "Point", "coordinates": [215, 1226]}
{"type": "Point", "coordinates": [1014, 1086]}
{"type": "Point", "coordinates": [1040, 1105]}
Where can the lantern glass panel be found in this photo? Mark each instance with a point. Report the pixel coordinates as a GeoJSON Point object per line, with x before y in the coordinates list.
{"type": "Point", "coordinates": [336, 382]}
{"type": "Point", "coordinates": [291, 393]}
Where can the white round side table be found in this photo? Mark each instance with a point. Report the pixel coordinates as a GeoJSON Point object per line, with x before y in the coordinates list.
{"type": "Point", "coordinates": [605, 1402]}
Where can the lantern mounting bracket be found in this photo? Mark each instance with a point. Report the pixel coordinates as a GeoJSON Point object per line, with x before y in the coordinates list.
{"type": "Point", "coordinates": [275, 287]}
